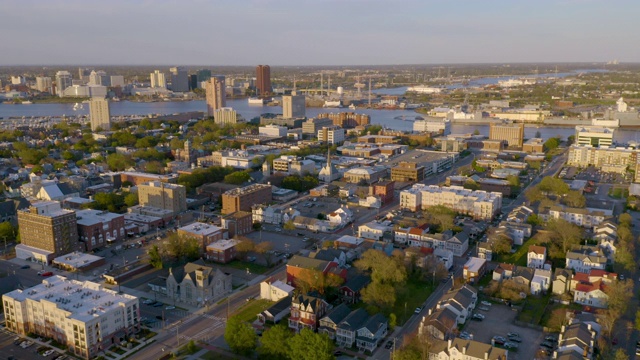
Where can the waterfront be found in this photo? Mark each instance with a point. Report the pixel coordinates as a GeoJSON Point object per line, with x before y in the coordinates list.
{"type": "Point", "coordinates": [392, 119]}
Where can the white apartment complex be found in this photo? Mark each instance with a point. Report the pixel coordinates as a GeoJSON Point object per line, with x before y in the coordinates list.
{"type": "Point", "coordinates": [478, 204]}
{"type": "Point", "coordinates": [99, 114]}
{"type": "Point", "coordinates": [442, 126]}
{"type": "Point", "coordinates": [607, 159]}
{"type": "Point", "coordinates": [294, 166]}
{"type": "Point", "coordinates": [82, 315]}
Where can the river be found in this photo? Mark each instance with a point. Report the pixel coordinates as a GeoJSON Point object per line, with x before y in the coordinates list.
{"type": "Point", "coordinates": [388, 118]}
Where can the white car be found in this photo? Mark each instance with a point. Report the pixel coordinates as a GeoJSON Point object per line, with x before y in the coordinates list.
{"type": "Point", "coordinates": [48, 352]}
{"type": "Point", "coordinates": [485, 303]}
{"type": "Point", "coordinates": [170, 308]}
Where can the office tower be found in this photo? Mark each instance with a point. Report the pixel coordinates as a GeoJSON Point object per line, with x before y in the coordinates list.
{"type": "Point", "coordinates": [263, 83]}
{"type": "Point", "coordinates": [84, 73]}
{"type": "Point", "coordinates": [82, 316]}
{"type": "Point", "coordinates": [594, 135]}
{"type": "Point", "coordinates": [203, 75]}
{"type": "Point", "coordinates": [99, 78]}
{"type": "Point", "coordinates": [99, 114]}
{"type": "Point", "coordinates": [157, 80]}
{"type": "Point", "coordinates": [117, 80]}
{"type": "Point", "coordinates": [46, 227]}
{"type": "Point", "coordinates": [512, 133]}
{"type": "Point", "coordinates": [331, 135]}
{"type": "Point", "coordinates": [193, 81]}
{"type": "Point", "coordinates": [293, 106]}
{"type": "Point", "coordinates": [163, 196]}
{"type": "Point", "coordinates": [63, 81]}
{"type": "Point", "coordinates": [43, 84]}
{"type": "Point", "coordinates": [179, 79]}
{"type": "Point", "coordinates": [215, 92]}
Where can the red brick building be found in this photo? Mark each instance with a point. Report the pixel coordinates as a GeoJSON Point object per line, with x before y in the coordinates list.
{"type": "Point", "coordinates": [98, 228]}
{"type": "Point", "coordinates": [238, 223]}
{"type": "Point", "coordinates": [222, 251]}
{"type": "Point", "coordinates": [385, 190]}
{"type": "Point", "coordinates": [204, 233]}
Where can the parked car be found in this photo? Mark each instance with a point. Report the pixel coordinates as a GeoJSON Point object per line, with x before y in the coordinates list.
{"type": "Point", "coordinates": [158, 304]}
{"type": "Point", "coordinates": [515, 338]}
{"type": "Point", "coordinates": [510, 345]}
{"type": "Point", "coordinates": [388, 345]}
{"type": "Point", "coordinates": [483, 308]}
{"type": "Point", "coordinates": [551, 338]}
{"type": "Point", "coordinates": [148, 302]}
{"type": "Point", "coordinates": [417, 311]}
{"type": "Point", "coordinates": [479, 316]}
{"type": "Point", "coordinates": [547, 344]}
{"type": "Point", "coordinates": [48, 352]}
{"type": "Point", "coordinates": [170, 308]}
{"type": "Point", "coordinates": [46, 273]}
{"type": "Point", "coordinates": [485, 303]}
{"type": "Point", "coordinates": [25, 267]}
{"type": "Point", "coordinates": [499, 340]}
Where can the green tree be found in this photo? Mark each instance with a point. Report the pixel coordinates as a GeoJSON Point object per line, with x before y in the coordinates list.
{"type": "Point", "coordinates": [501, 244]}
{"type": "Point", "coordinates": [387, 275]}
{"type": "Point", "coordinates": [551, 143]}
{"type": "Point", "coordinates": [240, 336]}
{"type": "Point", "coordinates": [7, 231]}
{"type": "Point", "coordinates": [534, 220]}
{"type": "Point", "coordinates": [574, 199]}
{"type": "Point", "coordinates": [514, 182]}
{"type": "Point", "coordinates": [538, 135]}
{"type": "Point", "coordinates": [119, 162]}
{"type": "Point", "coordinates": [476, 132]}
{"type": "Point", "coordinates": [245, 246]}
{"type": "Point", "coordinates": [440, 216]}
{"type": "Point", "coordinates": [308, 345]}
{"type": "Point", "coordinates": [155, 259]}
{"type": "Point", "coordinates": [237, 178]}
{"type": "Point", "coordinates": [289, 226]}
{"type": "Point", "coordinates": [191, 347]}
{"type": "Point", "coordinates": [274, 343]}
{"type": "Point", "coordinates": [553, 185]}
{"type": "Point", "coordinates": [131, 199]}
{"type": "Point", "coordinates": [564, 234]}
{"type": "Point", "coordinates": [393, 321]}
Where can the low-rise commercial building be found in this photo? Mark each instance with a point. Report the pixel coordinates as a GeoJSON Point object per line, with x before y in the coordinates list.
{"type": "Point", "coordinates": [98, 228]}
{"type": "Point", "coordinates": [368, 174]}
{"type": "Point", "coordinates": [594, 135]}
{"type": "Point", "coordinates": [205, 234]}
{"type": "Point", "coordinates": [222, 251]}
{"type": "Point", "coordinates": [407, 172]}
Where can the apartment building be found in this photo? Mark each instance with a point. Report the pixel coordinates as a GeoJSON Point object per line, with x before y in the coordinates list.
{"type": "Point", "coordinates": [311, 126]}
{"type": "Point", "coordinates": [512, 133]}
{"type": "Point", "coordinates": [46, 232]}
{"type": "Point", "coordinates": [579, 216]}
{"type": "Point", "coordinates": [533, 146]}
{"type": "Point", "coordinates": [292, 165]}
{"type": "Point", "coordinates": [607, 159]}
{"type": "Point", "coordinates": [331, 135]}
{"type": "Point", "coordinates": [98, 228]}
{"type": "Point", "coordinates": [164, 196]}
{"type": "Point", "coordinates": [481, 205]}
{"type": "Point", "coordinates": [81, 315]}
{"type": "Point", "coordinates": [242, 199]}
{"type": "Point", "coordinates": [346, 119]}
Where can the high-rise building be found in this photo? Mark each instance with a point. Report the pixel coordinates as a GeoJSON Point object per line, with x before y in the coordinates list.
{"type": "Point", "coordinates": [46, 231]}
{"type": "Point", "coordinates": [179, 79]}
{"type": "Point", "coordinates": [117, 80]}
{"type": "Point", "coordinates": [215, 92]}
{"type": "Point", "coordinates": [293, 106]}
{"type": "Point", "coordinates": [83, 74]}
{"type": "Point", "coordinates": [63, 81]}
{"type": "Point", "coordinates": [99, 114]}
{"type": "Point", "coordinates": [263, 80]}
{"type": "Point", "coordinates": [81, 315]}
{"type": "Point", "coordinates": [157, 80]}
{"type": "Point", "coordinates": [203, 75]}
{"type": "Point", "coordinates": [163, 196]}
{"type": "Point", "coordinates": [43, 84]}
{"type": "Point", "coordinates": [193, 81]}
{"type": "Point", "coordinates": [512, 133]}
{"type": "Point", "coordinates": [17, 80]}
{"type": "Point", "coordinates": [311, 126]}
{"type": "Point", "coordinates": [99, 78]}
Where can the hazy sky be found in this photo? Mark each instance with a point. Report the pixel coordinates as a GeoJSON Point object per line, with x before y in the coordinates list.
{"type": "Point", "coordinates": [320, 32]}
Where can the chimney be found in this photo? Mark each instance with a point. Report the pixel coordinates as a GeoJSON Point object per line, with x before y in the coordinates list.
{"type": "Point", "coordinates": [555, 355]}
{"type": "Point", "coordinates": [486, 356]}
{"type": "Point", "coordinates": [449, 342]}
{"type": "Point", "coordinates": [464, 349]}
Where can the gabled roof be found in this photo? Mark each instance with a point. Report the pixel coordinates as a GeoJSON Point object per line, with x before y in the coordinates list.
{"type": "Point", "coordinates": [443, 319]}
{"type": "Point", "coordinates": [591, 287]}
{"type": "Point", "coordinates": [357, 282]}
{"type": "Point", "coordinates": [354, 320]}
{"type": "Point", "coordinates": [307, 263]}
{"type": "Point", "coordinates": [307, 301]}
{"type": "Point", "coordinates": [561, 272]}
{"type": "Point", "coordinates": [478, 350]}
{"type": "Point", "coordinates": [338, 314]}
{"type": "Point", "coordinates": [524, 272]}
{"type": "Point", "coordinates": [540, 250]}
{"type": "Point", "coordinates": [374, 323]}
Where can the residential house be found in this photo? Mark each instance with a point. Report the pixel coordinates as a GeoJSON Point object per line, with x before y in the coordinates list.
{"type": "Point", "coordinates": [461, 301]}
{"type": "Point", "coordinates": [306, 312]}
{"type": "Point", "coordinates": [340, 218]}
{"type": "Point", "coordinates": [197, 283]}
{"type": "Point", "coordinates": [517, 232]}
{"type": "Point", "coordinates": [541, 281]}
{"type": "Point", "coordinates": [523, 276]}
{"type": "Point", "coordinates": [275, 290]}
{"type": "Point", "coordinates": [329, 323]}
{"type": "Point", "coordinates": [405, 235]}
{"type": "Point", "coordinates": [561, 281]}
{"type": "Point", "coordinates": [485, 251]}
{"type": "Point", "coordinates": [606, 234]}
{"type": "Point", "coordinates": [373, 230]}
{"type": "Point", "coordinates": [275, 313]}
{"type": "Point", "coordinates": [585, 258]}
{"type": "Point", "coordinates": [371, 333]}
{"type": "Point", "coordinates": [503, 271]}
{"type": "Point", "coordinates": [351, 290]}
{"type": "Point", "coordinates": [580, 216]}
{"type": "Point", "coordinates": [474, 269]}
{"type": "Point", "coordinates": [536, 257]}
{"type": "Point", "coordinates": [593, 276]}
{"type": "Point", "coordinates": [520, 214]}
{"type": "Point", "coordinates": [460, 349]}
{"type": "Point", "coordinates": [579, 338]}
{"type": "Point", "coordinates": [347, 328]}
{"type": "Point", "coordinates": [312, 224]}
{"type": "Point", "coordinates": [441, 323]}
{"type": "Point", "coordinates": [336, 255]}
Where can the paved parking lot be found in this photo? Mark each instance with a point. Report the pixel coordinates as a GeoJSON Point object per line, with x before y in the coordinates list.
{"type": "Point", "coordinates": [499, 321]}
{"type": "Point", "coordinates": [8, 349]}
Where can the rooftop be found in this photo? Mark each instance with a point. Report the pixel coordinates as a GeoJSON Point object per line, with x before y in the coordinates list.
{"type": "Point", "coordinates": [222, 245]}
{"type": "Point", "coordinates": [83, 300]}
{"type": "Point", "coordinates": [91, 217]}
{"type": "Point", "coordinates": [199, 228]}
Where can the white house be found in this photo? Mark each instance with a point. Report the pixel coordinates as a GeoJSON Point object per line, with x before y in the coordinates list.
{"type": "Point", "coordinates": [591, 294]}
{"type": "Point", "coordinates": [461, 301]}
{"type": "Point", "coordinates": [541, 281]}
{"type": "Point", "coordinates": [340, 217]}
{"type": "Point", "coordinates": [536, 256]}
{"type": "Point", "coordinates": [275, 290]}
{"type": "Point", "coordinates": [373, 230]}
{"type": "Point", "coordinates": [370, 202]}
{"type": "Point", "coordinates": [585, 258]}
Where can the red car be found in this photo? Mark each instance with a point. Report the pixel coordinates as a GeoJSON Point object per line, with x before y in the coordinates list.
{"type": "Point", "coordinates": [45, 274]}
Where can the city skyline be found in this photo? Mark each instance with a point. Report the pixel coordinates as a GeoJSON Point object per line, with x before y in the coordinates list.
{"type": "Point", "coordinates": [304, 33]}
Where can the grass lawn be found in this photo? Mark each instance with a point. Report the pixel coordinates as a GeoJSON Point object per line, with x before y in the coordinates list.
{"type": "Point", "coordinates": [547, 318]}
{"type": "Point", "coordinates": [618, 193]}
{"type": "Point", "coordinates": [412, 295]}
{"type": "Point", "coordinates": [520, 256]}
{"type": "Point", "coordinates": [243, 265]}
{"type": "Point", "coordinates": [249, 311]}
{"type": "Point", "coordinates": [533, 309]}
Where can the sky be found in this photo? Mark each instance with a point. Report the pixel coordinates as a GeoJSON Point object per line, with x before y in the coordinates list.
{"type": "Point", "coordinates": [320, 32]}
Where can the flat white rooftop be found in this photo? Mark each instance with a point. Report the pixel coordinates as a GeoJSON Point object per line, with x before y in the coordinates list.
{"type": "Point", "coordinates": [199, 228]}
